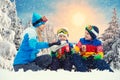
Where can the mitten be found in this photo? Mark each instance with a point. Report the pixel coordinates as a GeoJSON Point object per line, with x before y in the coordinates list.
{"type": "Point", "coordinates": [97, 57]}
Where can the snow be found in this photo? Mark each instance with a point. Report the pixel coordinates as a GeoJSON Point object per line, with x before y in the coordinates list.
{"type": "Point", "coordinates": [59, 75]}
{"type": "Point", "coordinates": [5, 20]}
{"type": "Point", "coordinates": [7, 52]}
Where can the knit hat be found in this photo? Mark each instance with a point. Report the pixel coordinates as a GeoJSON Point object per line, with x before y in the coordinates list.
{"type": "Point", "coordinates": [62, 31]}
{"type": "Point", "coordinates": [93, 31]}
{"type": "Point", "coordinates": [38, 20]}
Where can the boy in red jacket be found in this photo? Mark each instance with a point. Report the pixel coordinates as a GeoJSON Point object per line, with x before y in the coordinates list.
{"type": "Point", "coordinates": [90, 52]}
{"type": "Point", "coordinates": [62, 57]}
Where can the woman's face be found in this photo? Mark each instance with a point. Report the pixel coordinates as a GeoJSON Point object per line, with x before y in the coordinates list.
{"type": "Point", "coordinates": [41, 28]}
{"type": "Point", "coordinates": [87, 35]}
{"type": "Point", "coordinates": [62, 38]}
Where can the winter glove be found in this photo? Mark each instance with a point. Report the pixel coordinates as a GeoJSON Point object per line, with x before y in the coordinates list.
{"type": "Point", "coordinates": [97, 57]}
{"type": "Point", "coordinates": [55, 43]}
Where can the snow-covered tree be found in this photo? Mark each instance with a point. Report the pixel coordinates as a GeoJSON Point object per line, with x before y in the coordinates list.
{"type": "Point", "coordinates": [29, 24]}
{"type": "Point", "coordinates": [10, 31]}
{"type": "Point", "coordinates": [111, 38]}
{"type": "Point", "coordinates": [10, 20]}
{"type": "Point", "coordinates": [7, 53]}
{"type": "Point", "coordinates": [49, 34]}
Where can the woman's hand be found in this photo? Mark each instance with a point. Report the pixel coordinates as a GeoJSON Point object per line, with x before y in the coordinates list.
{"type": "Point", "coordinates": [55, 43]}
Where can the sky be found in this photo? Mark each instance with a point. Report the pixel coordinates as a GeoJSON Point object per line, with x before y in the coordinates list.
{"type": "Point", "coordinates": [72, 14]}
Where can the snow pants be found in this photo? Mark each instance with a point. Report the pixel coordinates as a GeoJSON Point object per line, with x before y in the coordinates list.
{"type": "Point", "coordinates": [39, 63]}
{"type": "Point", "coordinates": [83, 65]}
{"type": "Point", "coordinates": [66, 63]}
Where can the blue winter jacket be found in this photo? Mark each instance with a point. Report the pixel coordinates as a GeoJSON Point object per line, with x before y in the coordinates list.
{"type": "Point", "coordinates": [29, 47]}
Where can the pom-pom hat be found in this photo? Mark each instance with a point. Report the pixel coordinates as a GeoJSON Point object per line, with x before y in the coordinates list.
{"type": "Point", "coordinates": [38, 20]}
{"type": "Point", "coordinates": [93, 31]}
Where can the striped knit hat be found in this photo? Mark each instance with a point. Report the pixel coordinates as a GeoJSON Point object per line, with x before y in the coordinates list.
{"type": "Point", "coordinates": [93, 31]}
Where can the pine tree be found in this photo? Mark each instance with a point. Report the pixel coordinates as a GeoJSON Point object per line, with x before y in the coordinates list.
{"type": "Point", "coordinates": [10, 31]}
{"type": "Point", "coordinates": [16, 24]}
{"type": "Point", "coordinates": [111, 39]}
{"type": "Point", "coordinates": [11, 21]}
{"type": "Point", "coordinates": [7, 46]}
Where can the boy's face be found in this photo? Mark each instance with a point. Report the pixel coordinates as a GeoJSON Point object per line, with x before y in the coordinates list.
{"type": "Point", "coordinates": [62, 38]}
{"type": "Point", "coordinates": [87, 35]}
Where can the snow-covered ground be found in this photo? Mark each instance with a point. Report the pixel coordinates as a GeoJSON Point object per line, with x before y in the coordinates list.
{"type": "Point", "coordinates": [59, 75]}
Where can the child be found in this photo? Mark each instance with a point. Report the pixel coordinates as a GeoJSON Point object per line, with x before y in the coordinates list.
{"type": "Point", "coordinates": [26, 57]}
{"type": "Point", "coordinates": [62, 57]}
{"type": "Point", "coordinates": [91, 52]}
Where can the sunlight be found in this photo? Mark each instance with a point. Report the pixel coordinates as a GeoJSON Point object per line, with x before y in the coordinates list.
{"type": "Point", "coordinates": [78, 19]}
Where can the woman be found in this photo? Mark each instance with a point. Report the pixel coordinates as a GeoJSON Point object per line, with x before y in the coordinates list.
{"type": "Point", "coordinates": [26, 57]}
